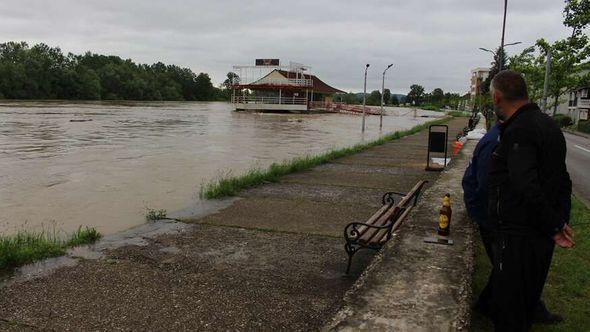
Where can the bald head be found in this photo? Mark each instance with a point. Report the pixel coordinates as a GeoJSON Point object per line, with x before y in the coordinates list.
{"type": "Point", "coordinates": [510, 85]}
{"type": "Point", "coordinates": [509, 93]}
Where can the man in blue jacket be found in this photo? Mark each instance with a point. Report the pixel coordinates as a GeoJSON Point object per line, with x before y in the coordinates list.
{"type": "Point", "coordinates": [475, 195]}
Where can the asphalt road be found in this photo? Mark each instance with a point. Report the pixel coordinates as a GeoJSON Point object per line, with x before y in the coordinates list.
{"type": "Point", "coordinates": [578, 164]}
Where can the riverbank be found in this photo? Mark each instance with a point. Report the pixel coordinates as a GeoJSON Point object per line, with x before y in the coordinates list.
{"type": "Point", "coordinates": [272, 259]}
{"type": "Point", "coordinates": [229, 186]}
{"type": "Point", "coordinates": [28, 247]}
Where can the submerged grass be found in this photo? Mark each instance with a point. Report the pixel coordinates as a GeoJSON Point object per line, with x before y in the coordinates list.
{"type": "Point", "coordinates": [229, 185]}
{"type": "Point", "coordinates": [567, 290]}
{"type": "Point", "coordinates": [27, 247]}
{"type": "Point", "coordinates": [153, 215]}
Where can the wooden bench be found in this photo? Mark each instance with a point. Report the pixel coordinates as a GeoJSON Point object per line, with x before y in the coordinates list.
{"type": "Point", "coordinates": [377, 230]}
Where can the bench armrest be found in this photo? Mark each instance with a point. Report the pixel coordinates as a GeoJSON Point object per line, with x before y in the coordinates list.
{"type": "Point", "coordinates": [352, 233]}
{"type": "Point", "coordinates": [388, 197]}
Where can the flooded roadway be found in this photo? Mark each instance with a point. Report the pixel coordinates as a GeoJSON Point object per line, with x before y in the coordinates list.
{"type": "Point", "coordinates": [66, 165]}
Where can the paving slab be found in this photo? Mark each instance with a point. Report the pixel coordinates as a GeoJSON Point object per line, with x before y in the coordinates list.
{"type": "Point", "coordinates": [207, 278]}
{"type": "Point", "coordinates": [298, 216]}
{"type": "Point", "coordinates": [385, 182]}
{"type": "Point", "coordinates": [318, 192]}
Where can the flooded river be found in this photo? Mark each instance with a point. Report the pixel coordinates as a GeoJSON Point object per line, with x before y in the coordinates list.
{"type": "Point", "coordinates": [97, 164]}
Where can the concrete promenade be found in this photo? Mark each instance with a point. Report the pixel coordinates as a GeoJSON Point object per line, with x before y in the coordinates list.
{"type": "Point", "coordinates": [272, 259]}
{"type": "Point", "coordinates": [416, 286]}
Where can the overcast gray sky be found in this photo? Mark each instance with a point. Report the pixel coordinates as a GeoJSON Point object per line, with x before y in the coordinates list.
{"type": "Point", "coordinates": [431, 42]}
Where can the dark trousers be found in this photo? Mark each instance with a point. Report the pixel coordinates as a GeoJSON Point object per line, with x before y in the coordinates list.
{"type": "Point", "coordinates": [521, 265]}
{"type": "Point", "coordinates": [485, 296]}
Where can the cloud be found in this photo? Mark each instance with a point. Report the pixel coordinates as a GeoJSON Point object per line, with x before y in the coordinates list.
{"type": "Point", "coordinates": [433, 43]}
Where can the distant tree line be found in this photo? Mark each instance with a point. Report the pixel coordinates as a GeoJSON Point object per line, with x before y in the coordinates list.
{"type": "Point", "coordinates": [43, 72]}
{"type": "Point", "coordinates": [373, 98]}
{"type": "Point", "coordinates": [435, 99]}
{"type": "Point", "coordinates": [417, 96]}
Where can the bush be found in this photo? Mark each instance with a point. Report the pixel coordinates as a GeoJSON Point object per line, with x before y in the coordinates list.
{"type": "Point", "coordinates": [584, 126]}
{"type": "Point", "coordinates": [563, 120]}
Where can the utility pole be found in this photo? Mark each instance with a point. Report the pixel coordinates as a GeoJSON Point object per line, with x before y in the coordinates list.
{"type": "Point", "coordinates": [365, 98]}
{"type": "Point", "coordinates": [546, 84]}
{"type": "Point", "coordinates": [382, 93]}
{"type": "Point", "coordinates": [503, 32]}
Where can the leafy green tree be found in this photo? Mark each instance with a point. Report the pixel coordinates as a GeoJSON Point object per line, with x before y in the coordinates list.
{"type": "Point", "coordinates": [569, 57]}
{"type": "Point", "coordinates": [204, 89]}
{"type": "Point", "coordinates": [226, 87]}
{"type": "Point", "coordinates": [351, 98]}
{"type": "Point", "coordinates": [577, 16]}
{"type": "Point", "coordinates": [565, 74]}
{"type": "Point", "coordinates": [416, 94]}
{"type": "Point", "coordinates": [386, 96]}
{"type": "Point", "coordinates": [87, 84]}
{"type": "Point", "coordinates": [43, 72]}
{"type": "Point", "coordinates": [527, 63]}
{"type": "Point", "coordinates": [231, 77]}
{"type": "Point", "coordinates": [437, 96]}
{"type": "Point", "coordinates": [374, 98]}
{"type": "Point", "coordinates": [499, 63]}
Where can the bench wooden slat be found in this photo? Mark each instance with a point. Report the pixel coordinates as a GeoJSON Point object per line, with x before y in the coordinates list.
{"type": "Point", "coordinates": [382, 221]}
{"type": "Point", "coordinates": [381, 239]}
{"type": "Point", "coordinates": [373, 218]}
{"type": "Point", "coordinates": [367, 236]}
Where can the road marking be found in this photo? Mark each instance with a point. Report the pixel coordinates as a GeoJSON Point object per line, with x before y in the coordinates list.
{"type": "Point", "coordinates": [581, 148]}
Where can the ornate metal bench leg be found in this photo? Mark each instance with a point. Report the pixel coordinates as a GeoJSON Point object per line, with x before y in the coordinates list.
{"type": "Point", "coordinates": [350, 251]}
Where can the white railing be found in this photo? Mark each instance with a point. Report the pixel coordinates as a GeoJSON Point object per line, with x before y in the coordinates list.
{"type": "Point", "coordinates": [281, 81]}
{"type": "Point", "coordinates": [270, 100]}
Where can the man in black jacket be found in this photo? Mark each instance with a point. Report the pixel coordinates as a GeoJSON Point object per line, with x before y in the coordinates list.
{"type": "Point", "coordinates": [529, 202]}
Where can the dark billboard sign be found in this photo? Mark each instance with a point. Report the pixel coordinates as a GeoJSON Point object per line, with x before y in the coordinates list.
{"type": "Point", "coordinates": [267, 62]}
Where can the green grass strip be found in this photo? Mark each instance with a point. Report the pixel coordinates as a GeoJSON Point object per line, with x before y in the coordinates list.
{"type": "Point", "coordinates": [567, 290]}
{"type": "Point", "coordinates": [459, 114]}
{"type": "Point", "coordinates": [230, 185]}
{"type": "Point", "coordinates": [27, 247]}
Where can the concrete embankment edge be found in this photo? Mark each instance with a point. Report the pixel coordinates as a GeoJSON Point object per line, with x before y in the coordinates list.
{"type": "Point", "coordinates": [412, 285]}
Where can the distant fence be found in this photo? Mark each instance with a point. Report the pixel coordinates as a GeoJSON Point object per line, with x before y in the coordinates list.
{"type": "Point", "coordinates": [270, 100]}
{"type": "Point", "coordinates": [339, 107]}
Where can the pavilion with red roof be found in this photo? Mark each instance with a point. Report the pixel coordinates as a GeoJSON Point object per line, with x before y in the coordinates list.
{"type": "Point", "coordinates": [271, 87]}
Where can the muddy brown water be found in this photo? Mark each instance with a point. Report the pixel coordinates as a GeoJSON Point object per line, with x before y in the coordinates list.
{"type": "Point", "coordinates": [66, 165]}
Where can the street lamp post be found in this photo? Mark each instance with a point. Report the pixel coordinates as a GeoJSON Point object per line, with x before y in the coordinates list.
{"type": "Point", "coordinates": [502, 48]}
{"type": "Point", "coordinates": [546, 83]}
{"type": "Point", "coordinates": [365, 98]}
{"type": "Point", "coordinates": [503, 31]}
{"type": "Point", "coordinates": [382, 92]}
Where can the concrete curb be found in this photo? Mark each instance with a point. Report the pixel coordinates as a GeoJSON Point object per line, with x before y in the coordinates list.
{"type": "Point", "coordinates": [414, 286]}
{"type": "Point", "coordinates": [577, 133]}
